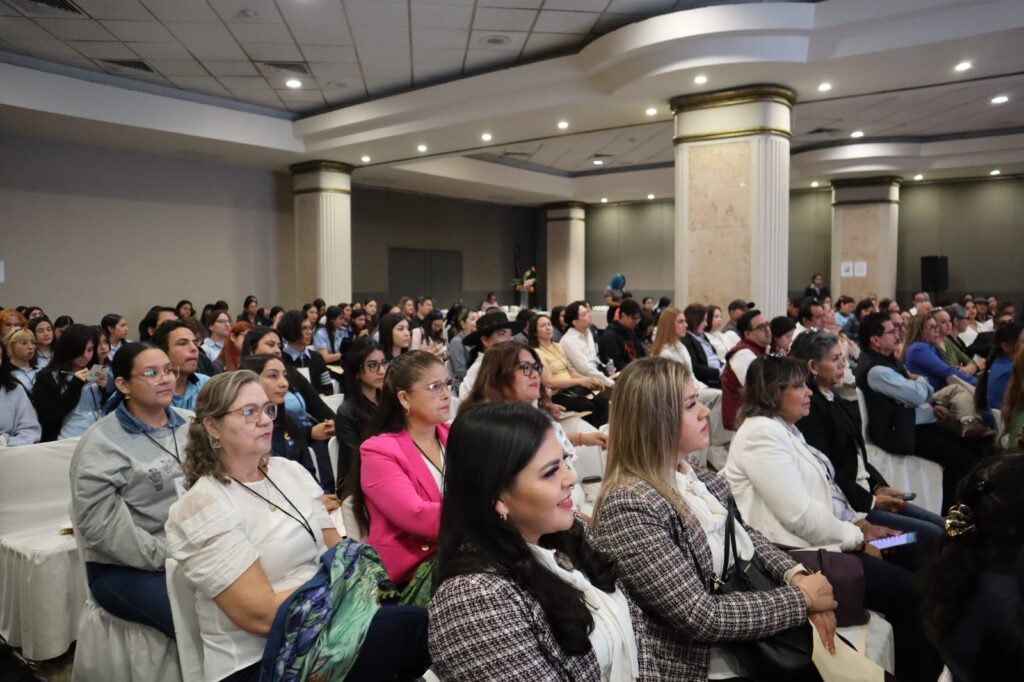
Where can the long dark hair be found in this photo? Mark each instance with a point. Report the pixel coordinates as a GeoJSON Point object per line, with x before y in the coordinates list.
{"type": "Point", "coordinates": [387, 325]}
{"type": "Point", "coordinates": [993, 493]}
{"type": "Point", "coordinates": [284, 421]}
{"type": "Point", "coordinates": [70, 345]}
{"type": "Point", "coordinates": [253, 336]}
{"type": "Point", "coordinates": [497, 378]}
{"type": "Point", "coordinates": [332, 313]}
{"type": "Point", "coordinates": [404, 371]}
{"type": "Point", "coordinates": [352, 363]}
{"type": "Point", "coordinates": [1007, 333]}
{"type": "Point", "coordinates": [488, 446]}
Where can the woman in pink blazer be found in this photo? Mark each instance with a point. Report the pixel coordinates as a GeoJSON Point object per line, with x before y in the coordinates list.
{"type": "Point", "coordinates": [402, 465]}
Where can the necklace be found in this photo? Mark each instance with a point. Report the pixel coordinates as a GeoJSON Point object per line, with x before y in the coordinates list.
{"type": "Point", "coordinates": [297, 516]}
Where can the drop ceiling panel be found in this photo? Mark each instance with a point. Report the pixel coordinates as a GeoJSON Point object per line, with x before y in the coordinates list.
{"type": "Point", "coordinates": [140, 31]}
{"type": "Point", "coordinates": [377, 14]}
{"type": "Point", "coordinates": [478, 40]}
{"type": "Point", "coordinates": [172, 50]}
{"type": "Point", "coordinates": [489, 19]}
{"type": "Point", "coordinates": [238, 68]}
{"type": "Point", "coordinates": [261, 33]}
{"type": "Point", "coordinates": [75, 29]}
{"type": "Point", "coordinates": [565, 22]}
{"type": "Point", "coordinates": [329, 53]}
{"type": "Point", "coordinates": [181, 10]}
{"type": "Point", "coordinates": [127, 10]}
{"type": "Point", "coordinates": [273, 52]}
{"type": "Point", "coordinates": [244, 83]}
{"type": "Point", "coordinates": [20, 29]}
{"type": "Point", "coordinates": [223, 51]}
{"type": "Point", "coordinates": [178, 67]}
{"type": "Point", "coordinates": [200, 33]}
{"type": "Point", "coordinates": [231, 10]}
{"type": "Point", "coordinates": [441, 16]}
{"type": "Point", "coordinates": [103, 50]}
{"type": "Point", "coordinates": [439, 37]}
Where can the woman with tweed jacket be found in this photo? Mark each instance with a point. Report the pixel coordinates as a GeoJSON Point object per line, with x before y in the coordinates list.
{"type": "Point", "coordinates": [664, 524]}
{"type": "Point", "coordinates": [521, 592]}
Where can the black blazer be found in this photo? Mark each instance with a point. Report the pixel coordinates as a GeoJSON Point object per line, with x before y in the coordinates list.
{"type": "Point", "coordinates": [704, 371]}
{"type": "Point", "coordinates": [319, 376]}
{"type": "Point", "coordinates": [831, 429]}
{"type": "Point", "coordinates": [54, 395]}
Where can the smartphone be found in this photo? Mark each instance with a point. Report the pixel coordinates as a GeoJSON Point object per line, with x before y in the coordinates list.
{"type": "Point", "coordinates": [95, 372]}
{"type": "Point", "coordinates": [895, 540]}
{"type": "Point", "coordinates": [907, 497]}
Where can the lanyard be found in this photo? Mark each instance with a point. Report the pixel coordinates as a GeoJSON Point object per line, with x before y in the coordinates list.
{"type": "Point", "coordinates": [297, 517]}
{"type": "Point", "coordinates": [175, 455]}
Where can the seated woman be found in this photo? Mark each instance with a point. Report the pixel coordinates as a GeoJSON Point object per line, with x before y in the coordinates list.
{"type": "Point", "coordinates": [250, 312]}
{"type": "Point", "coordinates": [250, 531]}
{"type": "Point", "coordinates": [664, 524]}
{"type": "Point", "coordinates": [830, 428]}
{"type": "Point", "coordinates": [116, 328]}
{"type": "Point", "coordinates": [394, 335]}
{"type": "Point", "coordinates": [18, 422]}
{"type": "Point", "coordinates": [184, 309]}
{"type": "Point", "coordinates": [429, 335]}
{"type": "Point", "coordinates": [523, 594]}
{"type": "Point", "coordinates": [102, 347]}
{"type": "Point", "coordinates": [365, 368]}
{"type": "Point", "coordinates": [972, 587]}
{"type": "Point", "coordinates": [783, 330]}
{"type": "Point", "coordinates": [43, 331]}
{"type": "Point", "coordinates": [721, 341]}
{"type": "Point", "coordinates": [787, 490]}
{"type": "Point", "coordinates": [10, 319]}
{"type": "Point", "coordinates": [568, 388]}
{"type": "Point", "coordinates": [358, 323]}
{"type": "Point", "coordinates": [20, 354]}
{"type": "Point", "coordinates": [1008, 340]}
{"type": "Point", "coordinates": [458, 353]}
{"type": "Point", "coordinates": [218, 324]}
{"type": "Point", "coordinates": [401, 471]}
{"type": "Point", "coordinates": [692, 333]}
{"type": "Point", "coordinates": [291, 439]}
{"type": "Point", "coordinates": [61, 324]}
{"type": "Point", "coordinates": [328, 339]}
{"type": "Point", "coordinates": [297, 333]}
{"type": "Point", "coordinates": [230, 357]}
{"type": "Point", "coordinates": [1013, 405]}
{"type": "Point", "coordinates": [125, 474]}
{"type": "Point", "coordinates": [67, 401]}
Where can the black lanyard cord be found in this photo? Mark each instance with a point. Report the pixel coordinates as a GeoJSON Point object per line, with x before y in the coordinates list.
{"type": "Point", "coordinates": [174, 436]}
{"type": "Point", "coordinates": [297, 517]}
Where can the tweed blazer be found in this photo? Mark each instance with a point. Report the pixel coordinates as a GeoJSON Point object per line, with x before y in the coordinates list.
{"type": "Point", "coordinates": [484, 627]}
{"type": "Point", "coordinates": [665, 563]}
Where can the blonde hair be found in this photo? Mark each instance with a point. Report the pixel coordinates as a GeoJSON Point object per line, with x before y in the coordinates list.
{"type": "Point", "coordinates": [202, 458]}
{"type": "Point", "coordinates": [666, 334]}
{"type": "Point", "coordinates": [14, 336]}
{"type": "Point", "coordinates": [645, 428]}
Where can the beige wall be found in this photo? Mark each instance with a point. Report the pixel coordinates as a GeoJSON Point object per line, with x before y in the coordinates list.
{"type": "Point", "coordinates": [86, 231]}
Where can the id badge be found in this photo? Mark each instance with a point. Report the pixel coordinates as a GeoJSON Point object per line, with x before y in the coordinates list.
{"type": "Point", "coordinates": [179, 486]}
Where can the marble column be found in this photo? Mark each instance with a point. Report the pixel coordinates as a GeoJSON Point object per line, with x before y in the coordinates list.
{"type": "Point", "coordinates": [566, 224]}
{"type": "Point", "coordinates": [322, 193]}
{"type": "Point", "coordinates": [865, 223]}
{"type": "Point", "coordinates": [732, 196]}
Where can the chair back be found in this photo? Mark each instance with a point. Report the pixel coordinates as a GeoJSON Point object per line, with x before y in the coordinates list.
{"type": "Point", "coordinates": [186, 622]}
{"type": "Point", "coordinates": [34, 486]}
{"type": "Point", "coordinates": [333, 401]}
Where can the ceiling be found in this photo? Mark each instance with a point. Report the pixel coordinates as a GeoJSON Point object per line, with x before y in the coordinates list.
{"type": "Point", "coordinates": [342, 51]}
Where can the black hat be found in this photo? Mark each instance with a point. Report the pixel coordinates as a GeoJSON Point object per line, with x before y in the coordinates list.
{"type": "Point", "coordinates": [740, 304]}
{"type": "Point", "coordinates": [490, 323]}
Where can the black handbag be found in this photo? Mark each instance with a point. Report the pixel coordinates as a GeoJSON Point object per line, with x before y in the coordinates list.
{"type": "Point", "coordinates": [785, 655]}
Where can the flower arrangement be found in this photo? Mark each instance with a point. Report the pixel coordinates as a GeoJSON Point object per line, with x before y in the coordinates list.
{"type": "Point", "coordinates": [527, 281]}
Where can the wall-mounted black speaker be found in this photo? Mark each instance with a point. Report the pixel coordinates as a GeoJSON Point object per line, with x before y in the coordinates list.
{"type": "Point", "coordinates": [934, 273]}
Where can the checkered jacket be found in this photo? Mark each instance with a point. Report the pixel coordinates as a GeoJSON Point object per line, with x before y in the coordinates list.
{"type": "Point", "coordinates": [665, 564]}
{"type": "Point", "coordinates": [484, 627]}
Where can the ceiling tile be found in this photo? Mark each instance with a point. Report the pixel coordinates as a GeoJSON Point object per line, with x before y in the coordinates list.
{"type": "Point", "coordinates": [261, 33]}
{"type": "Point", "coordinates": [222, 51]}
{"type": "Point", "coordinates": [439, 37]}
{"type": "Point", "coordinates": [192, 33]}
{"type": "Point", "coordinates": [245, 83]}
{"type": "Point", "coordinates": [231, 10]}
{"type": "Point", "coordinates": [510, 3]}
{"type": "Point", "coordinates": [103, 50]}
{"type": "Point", "coordinates": [178, 67]}
{"type": "Point", "coordinates": [467, 3]}
{"type": "Point", "coordinates": [21, 29]}
{"type": "Point", "coordinates": [376, 14]}
{"type": "Point", "coordinates": [275, 52]}
{"type": "Point", "coordinates": [294, 96]}
{"type": "Point", "coordinates": [608, 22]}
{"type": "Point", "coordinates": [125, 10]}
{"type": "Point", "coordinates": [394, 70]}
{"type": "Point", "coordinates": [478, 41]}
{"type": "Point", "coordinates": [306, 13]}
{"type": "Point", "coordinates": [383, 86]}
{"type": "Point", "coordinates": [329, 53]}
{"type": "Point", "coordinates": [641, 6]}
{"type": "Point", "coordinates": [380, 35]}
{"type": "Point", "coordinates": [577, 5]}
{"type": "Point", "coordinates": [426, 73]}
{"type": "Point", "coordinates": [267, 98]}
{"type": "Point", "coordinates": [438, 56]}
{"type": "Point", "coordinates": [322, 34]}
{"type": "Point", "coordinates": [543, 43]}
{"type": "Point", "coordinates": [325, 71]}
{"type": "Point", "coordinates": [483, 59]}
{"type": "Point", "coordinates": [141, 31]}
{"type": "Point", "coordinates": [75, 29]}
{"type": "Point", "coordinates": [344, 96]}
{"type": "Point", "coordinates": [204, 84]}
{"type": "Point", "coordinates": [382, 53]}
{"type": "Point", "coordinates": [488, 19]}
{"type": "Point", "coordinates": [52, 49]}
{"type": "Point", "coordinates": [565, 22]}
{"type": "Point", "coordinates": [173, 50]}
{"type": "Point", "coordinates": [239, 68]}
{"type": "Point", "coordinates": [441, 16]}
{"type": "Point", "coordinates": [181, 10]}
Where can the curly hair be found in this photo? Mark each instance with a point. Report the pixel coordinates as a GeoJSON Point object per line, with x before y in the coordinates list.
{"type": "Point", "coordinates": [202, 456]}
{"type": "Point", "coordinates": [497, 377]}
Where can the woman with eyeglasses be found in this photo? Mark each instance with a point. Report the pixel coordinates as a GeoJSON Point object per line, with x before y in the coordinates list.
{"type": "Point", "coordinates": [125, 474]}
{"type": "Point", "coordinates": [218, 325]}
{"type": "Point", "coordinates": [250, 531]}
{"type": "Point", "coordinates": [401, 470]}
{"type": "Point", "coordinates": [365, 367]}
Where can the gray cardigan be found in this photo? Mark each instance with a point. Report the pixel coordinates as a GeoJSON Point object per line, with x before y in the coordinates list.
{"type": "Point", "coordinates": [18, 418]}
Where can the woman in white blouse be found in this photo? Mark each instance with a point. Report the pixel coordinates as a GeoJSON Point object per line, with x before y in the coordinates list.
{"type": "Point", "coordinates": [522, 593]}
{"type": "Point", "coordinates": [250, 531]}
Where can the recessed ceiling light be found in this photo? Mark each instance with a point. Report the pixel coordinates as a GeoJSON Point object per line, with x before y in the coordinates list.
{"type": "Point", "coordinates": [365, 159]}
{"type": "Point", "coordinates": [249, 13]}
{"type": "Point", "coordinates": [815, 184]}
{"type": "Point", "coordinates": [857, 133]}
{"type": "Point", "coordinates": [994, 172]}
{"type": "Point", "coordinates": [604, 200]}
{"type": "Point", "coordinates": [650, 196]}
{"type": "Point", "coordinates": [824, 87]}
{"type": "Point", "coordinates": [293, 83]}
{"type": "Point", "coordinates": [494, 39]}
{"type": "Point", "coordinates": [700, 79]}
{"type": "Point", "coordinates": [486, 137]}
{"type": "Point", "coordinates": [1000, 99]}
{"type": "Point", "coordinates": [919, 177]}
{"type": "Point", "coordinates": [421, 148]}
{"type": "Point", "coordinates": [562, 125]}
{"type": "Point", "coordinates": [598, 162]}
{"type": "Point", "coordinates": [962, 66]}
{"type": "Point", "coordinates": [651, 111]}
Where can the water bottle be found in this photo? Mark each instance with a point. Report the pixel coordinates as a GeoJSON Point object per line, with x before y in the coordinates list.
{"type": "Point", "coordinates": [609, 367]}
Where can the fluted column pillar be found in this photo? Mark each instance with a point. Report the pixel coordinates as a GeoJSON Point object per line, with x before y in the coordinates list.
{"type": "Point", "coordinates": [322, 193]}
{"type": "Point", "coordinates": [732, 196]}
{"type": "Point", "coordinates": [566, 243]}
{"type": "Point", "coordinates": [865, 231]}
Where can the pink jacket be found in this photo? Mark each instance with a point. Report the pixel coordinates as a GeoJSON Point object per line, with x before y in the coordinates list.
{"type": "Point", "coordinates": [403, 502]}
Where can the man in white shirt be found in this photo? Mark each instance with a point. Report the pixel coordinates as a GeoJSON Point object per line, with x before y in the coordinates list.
{"type": "Point", "coordinates": [811, 316]}
{"type": "Point", "coordinates": [491, 329]}
{"type": "Point", "coordinates": [578, 344]}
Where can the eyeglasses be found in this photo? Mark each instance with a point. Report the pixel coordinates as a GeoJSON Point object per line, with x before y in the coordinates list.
{"type": "Point", "coordinates": [376, 365]}
{"type": "Point", "coordinates": [760, 327]}
{"type": "Point", "coordinates": [437, 387]}
{"type": "Point", "coordinates": [892, 331]}
{"type": "Point", "coordinates": [251, 413]}
{"type": "Point", "coordinates": [530, 368]}
{"type": "Point", "coordinates": [156, 373]}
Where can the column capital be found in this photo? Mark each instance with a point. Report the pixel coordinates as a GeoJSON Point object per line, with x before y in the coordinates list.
{"type": "Point", "coordinates": [320, 167]}
{"type": "Point", "coordinates": [877, 190]}
{"type": "Point", "coordinates": [762, 92]}
{"type": "Point", "coordinates": [564, 204]}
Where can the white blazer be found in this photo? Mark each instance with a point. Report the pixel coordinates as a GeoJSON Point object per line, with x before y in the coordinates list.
{"type": "Point", "coordinates": [781, 488]}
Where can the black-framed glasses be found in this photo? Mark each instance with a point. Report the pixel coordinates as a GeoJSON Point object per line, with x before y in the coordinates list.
{"type": "Point", "coordinates": [437, 387]}
{"type": "Point", "coordinates": [376, 365]}
{"type": "Point", "coordinates": [760, 327]}
{"type": "Point", "coordinates": [530, 368]}
{"type": "Point", "coordinates": [156, 373]}
{"type": "Point", "coordinates": [251, 413]}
